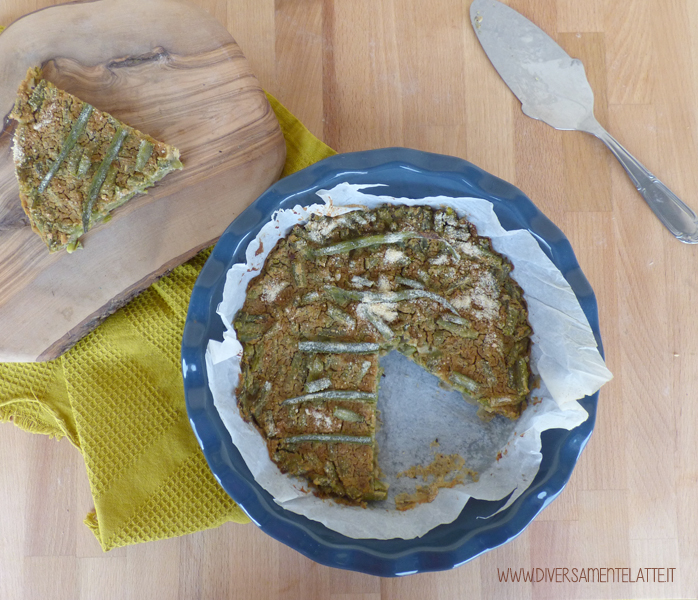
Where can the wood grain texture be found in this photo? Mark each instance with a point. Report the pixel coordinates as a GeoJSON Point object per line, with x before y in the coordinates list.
{"type": "Point", "coordinates": [168, 69]}
{"type": "Point", "coordinates": [390, 72]}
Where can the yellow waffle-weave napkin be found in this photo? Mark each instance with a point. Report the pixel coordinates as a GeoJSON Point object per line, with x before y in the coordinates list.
{"type": "Point", "coordinates": [118, 397]}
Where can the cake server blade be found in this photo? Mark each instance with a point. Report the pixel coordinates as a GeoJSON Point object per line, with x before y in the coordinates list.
{"type": "Point", "coordinates": [553, 88]}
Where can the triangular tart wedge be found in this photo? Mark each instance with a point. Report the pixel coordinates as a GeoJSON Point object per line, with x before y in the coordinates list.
{"type": "Point", "coordinates": [75, 163]}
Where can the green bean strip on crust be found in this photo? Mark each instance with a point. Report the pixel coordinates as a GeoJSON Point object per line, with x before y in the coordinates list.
{"type": "Point", "coordinates": [333, 395]}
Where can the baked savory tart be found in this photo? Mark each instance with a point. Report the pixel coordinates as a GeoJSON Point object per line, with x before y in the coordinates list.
{"type": "Point", "coordinates": [75, 164]}
{"type": "Point", "coordinates": [337, 293]}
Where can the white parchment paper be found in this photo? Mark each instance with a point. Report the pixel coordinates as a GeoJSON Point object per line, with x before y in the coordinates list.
{"type": "Point", "coordinates": [415, 410]}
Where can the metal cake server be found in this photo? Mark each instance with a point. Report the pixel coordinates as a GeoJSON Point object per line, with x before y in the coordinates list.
{"type": "Point", "coordinates": [553, 88]}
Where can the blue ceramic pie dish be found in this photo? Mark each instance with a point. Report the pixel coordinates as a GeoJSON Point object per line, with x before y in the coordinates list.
{"type": "Point", "coordinates": [411, 174]}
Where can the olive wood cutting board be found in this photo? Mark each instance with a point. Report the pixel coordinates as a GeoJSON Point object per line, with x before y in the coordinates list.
{"type": "Point", "coordinates": [171, 70]}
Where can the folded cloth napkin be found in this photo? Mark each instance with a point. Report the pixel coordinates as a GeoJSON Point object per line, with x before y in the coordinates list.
{"type": "Point", "coordinates": [118, 397]}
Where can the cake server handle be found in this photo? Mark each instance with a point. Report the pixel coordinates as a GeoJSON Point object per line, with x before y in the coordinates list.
{"type": "Point", "coordinates": [678, 218]}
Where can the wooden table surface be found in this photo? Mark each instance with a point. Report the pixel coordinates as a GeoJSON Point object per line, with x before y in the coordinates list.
{"type": "Point", "coordinates": [365, 74]}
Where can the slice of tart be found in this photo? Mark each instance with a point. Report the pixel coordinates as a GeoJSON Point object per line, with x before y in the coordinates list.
{"type": "Point", "coordinates": [75, 164]}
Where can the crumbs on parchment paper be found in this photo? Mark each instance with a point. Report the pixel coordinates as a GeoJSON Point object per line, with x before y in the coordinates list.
{"type": "Point", "coordinates": [445, 471]}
